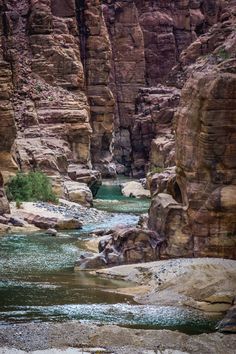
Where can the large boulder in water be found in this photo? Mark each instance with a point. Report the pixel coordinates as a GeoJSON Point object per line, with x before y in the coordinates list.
{"type": "Point", "coordinates": [134, 189]}
{"type": "Point", "coordinates": [124, 246]}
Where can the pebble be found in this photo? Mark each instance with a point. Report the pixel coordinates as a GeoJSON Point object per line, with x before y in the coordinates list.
{"type": "Point", "coordinates": [86, 215]}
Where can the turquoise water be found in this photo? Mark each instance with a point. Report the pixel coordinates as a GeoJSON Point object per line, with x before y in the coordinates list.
{"type": "Point", "coordinates": [110, 198]}
{"type": "Point", "coordinates": [38, 283]}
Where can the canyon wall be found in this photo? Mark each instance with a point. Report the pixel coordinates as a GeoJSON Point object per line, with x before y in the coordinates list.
{"type": "Point", "coordinates": [127, 86]}
{"type": "Point", "coordinates": [7, 123]}
{"type": "Point", "coordinates": [77, 69]}
{"type": "Point", "coordinates": [202, 220]}
{"type": "Point", "coordinates": [147, 38]}
{"type": "Point", "coordinates": [55, 90]}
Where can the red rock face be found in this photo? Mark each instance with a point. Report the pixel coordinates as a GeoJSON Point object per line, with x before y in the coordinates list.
{"type": "Point", "coordinates": [84, 83]}
{"type": "Point", "coordinates": [128, 72]}
{"type": "Point", "coordinates": [201, 222]}
{"type": "Point", "coordinates": [51, 108]}
{"type": "Point", "coordinates": [152, 132]}
{"type": "Point", "coordinates": [52, 91]}
{"type": "Point", "coordinates": [7, 123]}
{"type": "Point", "coordinates": [147, 38]}
{"type": "Point", "coordinates": [97, 62]}
{"type": "Point", "coordinates": [70, 59]}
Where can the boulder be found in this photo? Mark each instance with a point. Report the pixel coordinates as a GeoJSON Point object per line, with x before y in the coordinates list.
{"type": "Point", "coordinates": [44, 222]}
{"type": "Point", "coordinates": [134, 189]}
{"type": "Point", "coordinates": [131, 245]}
{"type": "Point", "coordinates": [80, 174]}
{"type": "Point", "coordinates": [78, 193]}
{"type": "Point", "coordinates": [68, 224]}
{"type": "Point", "coordinates": [90, 261]}
{"type": "Point", "coordinates": [51, 232]}
{"type": "Point", "coordinates": [16, 221]}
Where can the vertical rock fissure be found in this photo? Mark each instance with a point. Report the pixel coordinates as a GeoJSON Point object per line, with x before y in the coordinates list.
{"type": "Point", "coordinates": [83, 31]}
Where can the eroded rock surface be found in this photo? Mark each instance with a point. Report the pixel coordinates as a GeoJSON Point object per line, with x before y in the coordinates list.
{"type": "Point", "coordinates": [123, 247]}
{"type": "Point", "coordinates": [207, 284]}
{"type": "Point", "coordinates": [200, 220]}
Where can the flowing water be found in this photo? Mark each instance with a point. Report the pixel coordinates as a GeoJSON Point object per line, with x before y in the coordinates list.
{"type": "Point", "coordinates": [38, 282]}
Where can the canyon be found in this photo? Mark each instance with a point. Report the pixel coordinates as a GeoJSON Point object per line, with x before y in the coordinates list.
{"type": "Point", "coordinates": [91, 89]}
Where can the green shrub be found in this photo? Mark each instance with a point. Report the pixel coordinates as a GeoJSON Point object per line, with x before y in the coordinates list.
{"type": "Point", "coordinates": [33, 186]}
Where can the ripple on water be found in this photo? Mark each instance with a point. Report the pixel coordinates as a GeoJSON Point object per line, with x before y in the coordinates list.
{"type": "Point", "coordinates": [138, 316]}
{"type": "Point", "coordinates": [39, 284]}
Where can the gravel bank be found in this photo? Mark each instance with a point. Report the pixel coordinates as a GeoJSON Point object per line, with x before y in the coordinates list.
{"type": "Point", "coordinates": [112, 339]}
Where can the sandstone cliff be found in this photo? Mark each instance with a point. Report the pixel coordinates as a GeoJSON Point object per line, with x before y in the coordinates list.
{"type": "Point", "coordinates": [54, 73]}
{"type": "Point", "coordinates": [201, 221]}
{"type": "Point", "coordinates": [69, 59]}
{"type": "Point", "coordinates": [91, 87]}
{"type": "Point", "coordinates": [147, 38]}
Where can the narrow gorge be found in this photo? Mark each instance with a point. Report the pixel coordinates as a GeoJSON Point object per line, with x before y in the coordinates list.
{"type": "Point", "coordinates": [134, 95]}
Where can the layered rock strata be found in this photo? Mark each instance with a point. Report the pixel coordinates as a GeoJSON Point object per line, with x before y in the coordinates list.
{"type": "Point", "coordinates": [7, 123]}
{"type": "Point", "coordinates": [67, 57]}
{"type": "Point", "coordinates": [45, 79]}
{"type": "Point", "coordinates": [96, 56]}
{"type": "Point", "coordinates": [202, 221]}
{"type": "Point", "coordinates": [53, 123]}
{"type": "Point", "coordinates": [128, 72]}
{"type": "Point", "coordinates": [147, 39]}
{"type": "Point", "coordinates": [153, 143]}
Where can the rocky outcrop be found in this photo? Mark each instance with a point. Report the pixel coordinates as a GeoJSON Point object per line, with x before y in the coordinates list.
{"type": "Point", "coordinates": [123, 247]}
{"type": "Point", "coordinates": [7, 123]}
{"type": "Point", "coordinates": [53, 123]}
{"type": "Point", "coordinates": [207, 284]}
{"type": "Point", "coordinates": [77, 80]}
{"type": "Point", "coordinates": [153, 143]}
{"type": "Point", "coordinates": [134, 189]}
{"type": "Point", "coordinates": [147, 38]}
{"type": "Point", "coordinates": [59, 99]}
{"type": "Point", "coordinates": [73, 60]}
{"type": "Point", "coordinates": [169, 27]}
{"type": "Point", "coordinates": [78, 193]}
{"type": "Point", "coordinates": [44, 222]}
{"type": "Point", "coordinates": [202, 221]}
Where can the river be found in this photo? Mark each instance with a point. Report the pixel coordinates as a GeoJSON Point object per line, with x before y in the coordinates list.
{"type": "Point", "coordinates": [38, 281]}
